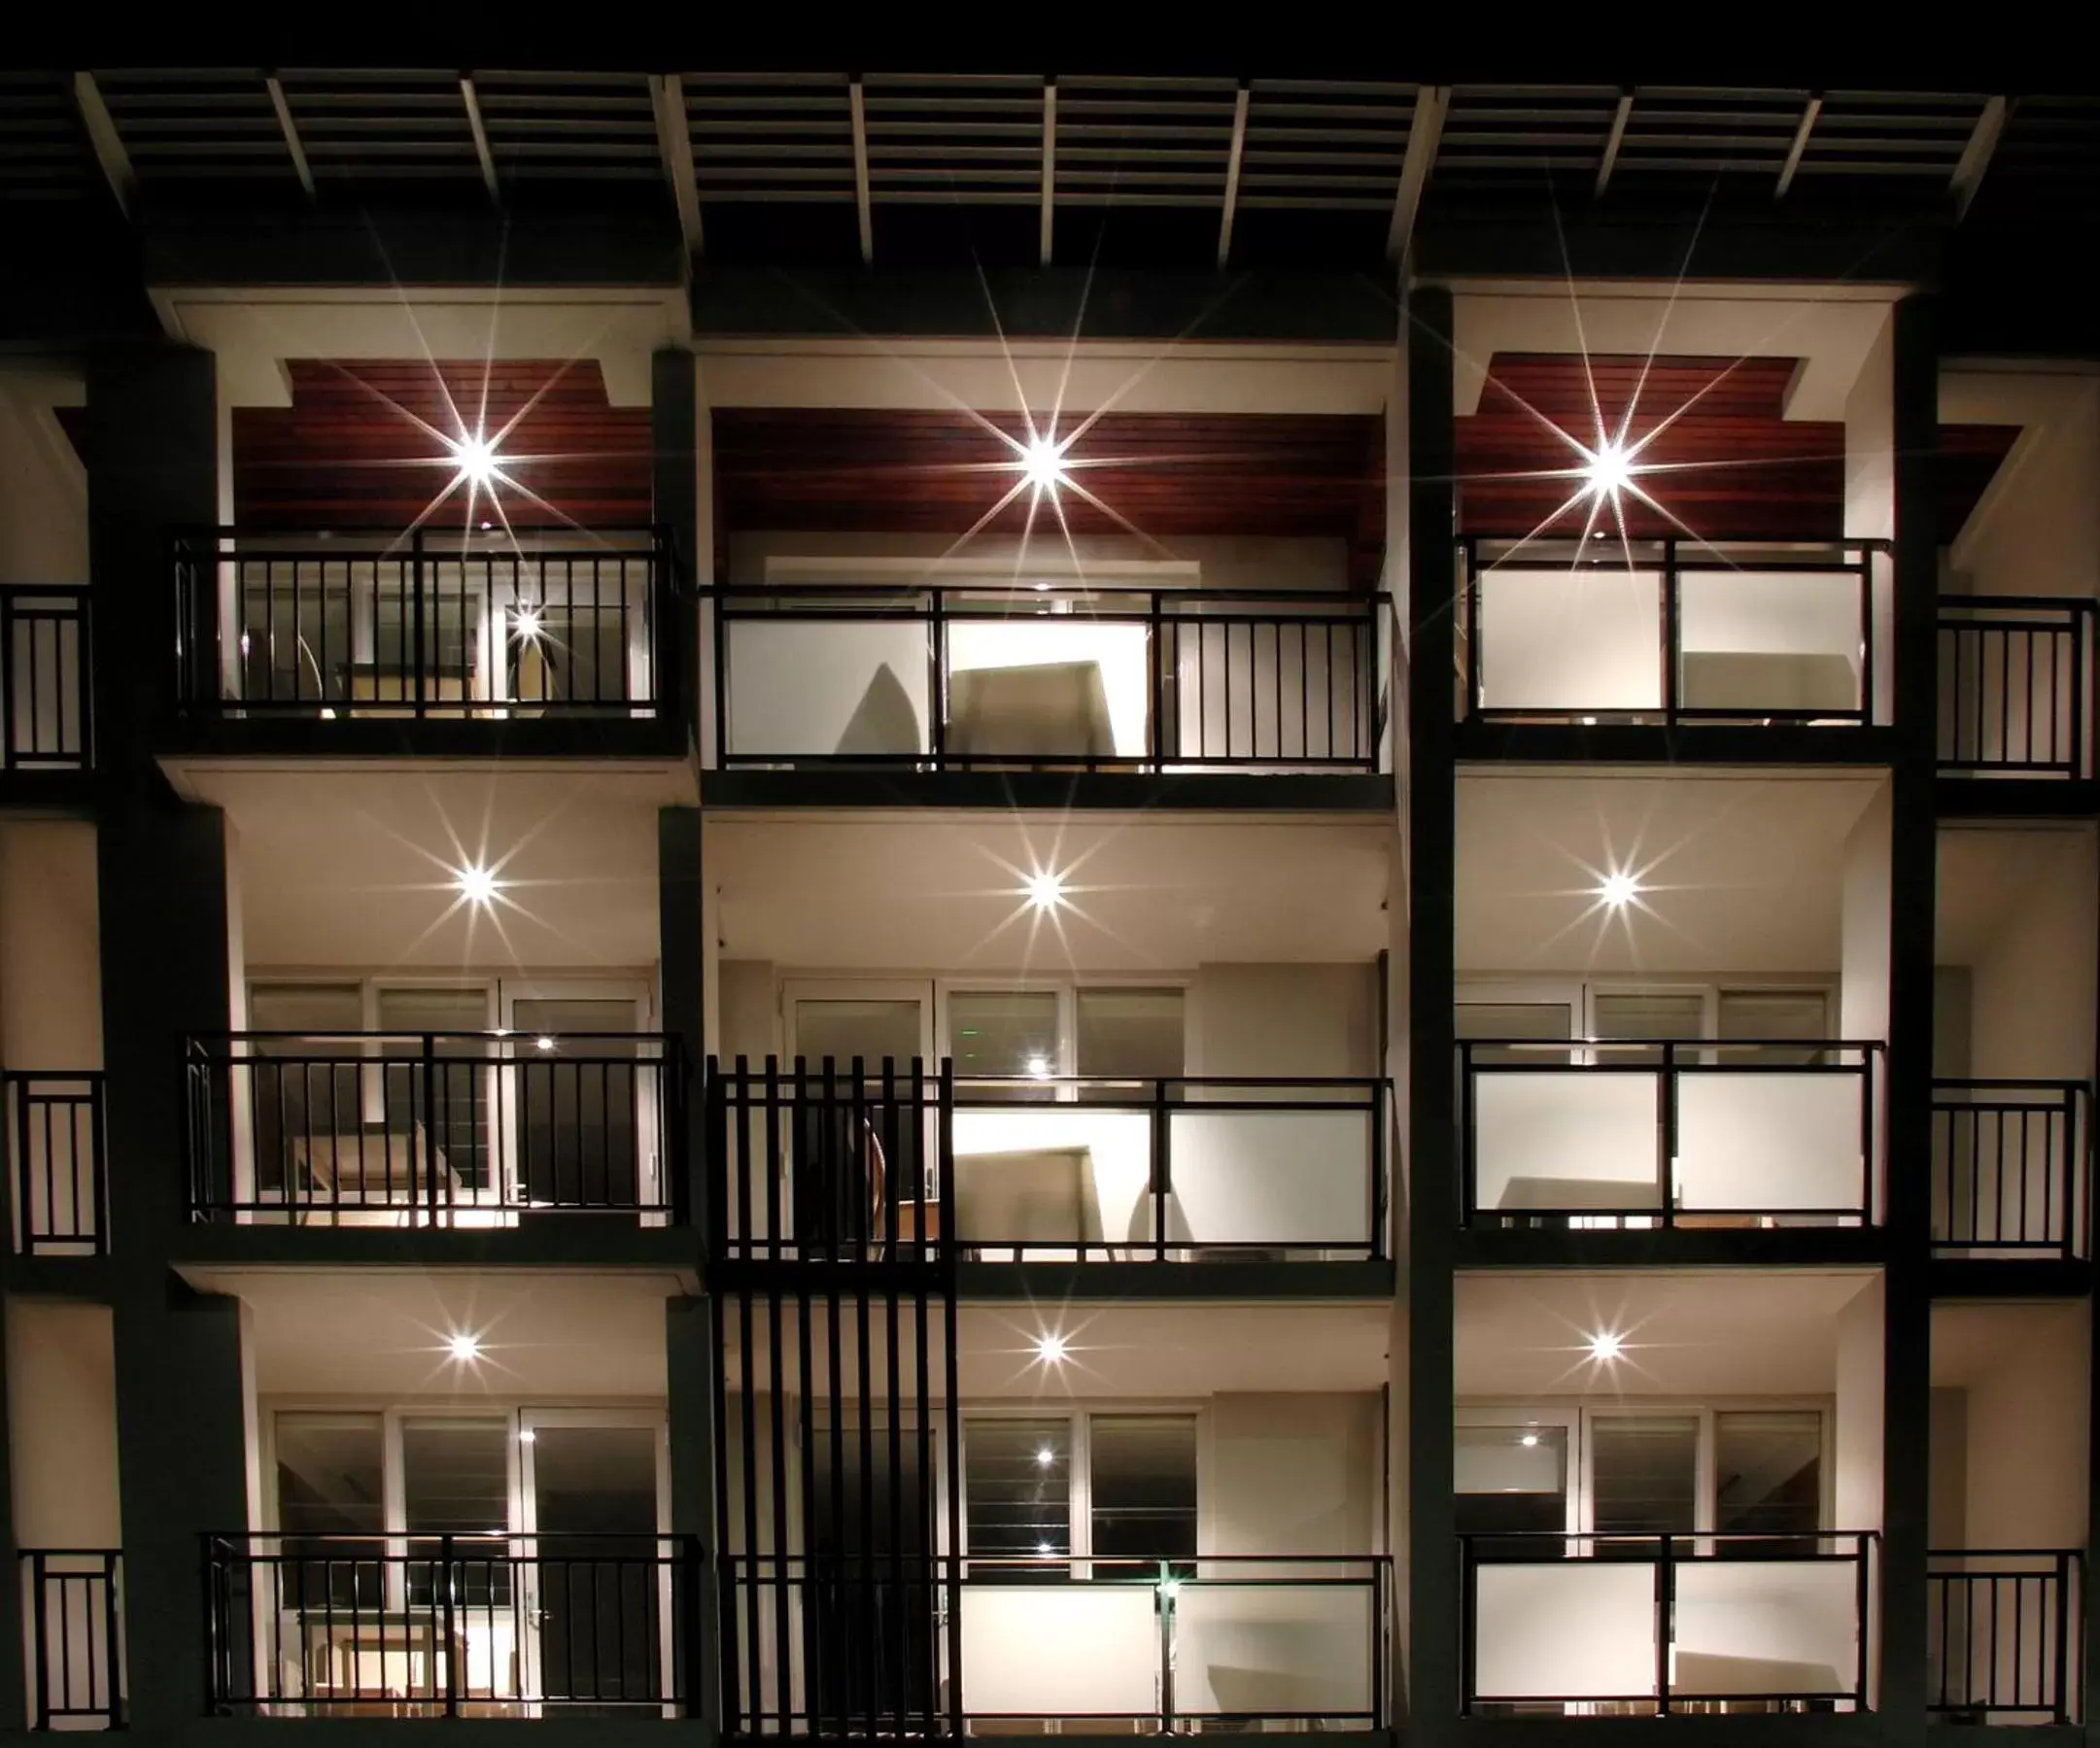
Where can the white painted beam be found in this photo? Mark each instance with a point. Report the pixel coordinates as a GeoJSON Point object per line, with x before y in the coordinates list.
{"type": "Point", "coordinates": [108, 144]}
{"type": "Point", "coordinates": [1612, 143]}
{"type": "Point", "coordinates": [1976, 155]}
{"type": "Point", "coordinates": [674, 145]}
{"type": "Point", "coordinates": [1049, 168]}
{"type": "Point", "coordinates": [1425, 133]}
{"type": "Point", "coordinates": [863, 197]}
{"type": "Point", "coordinates": [481, 139]}
{"type": "Point", "coordinates": [289, 129]}
{"type": "Point", "coordinates": [1233, 175]}
{"type": "Point", "coordinates": [1800, 145]}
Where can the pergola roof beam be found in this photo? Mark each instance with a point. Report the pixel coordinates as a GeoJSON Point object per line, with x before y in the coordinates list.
{"type": "Point", "coordinates": [291, 130]}
{"type": "Point", "coordinates": [1800, 145]}
{"type": "Point", "coordinates": [1613, 142]}
{"type": "Point", "coordinates": [1049, 168]}
{"type": "Point", "coordinates": [481, 138]}
{"type": "Point", "coordinates": [1976, 156]}
{"type": "Point", "coordinates": [1425, 132]}
{"type": "Point", "coordinates": [863, 200]}
{"type": "Point", "coordinates": [675, 146]}
{"type": "Point", "coordinates": [1233, 175]}
{"type": "Point", "coordinates": [108, 144]}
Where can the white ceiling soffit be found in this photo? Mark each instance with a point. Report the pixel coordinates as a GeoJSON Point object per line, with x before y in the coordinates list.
{"type": "Point", "coordinates": [1736, 875]}
{"type": "Point", "coordinates": [947, 893]}
{"type": "Point", "coordinates": [1832, 336]}
{"type": "Point", "coordinates": [1013, 376]}
{"type": "Point", "coordinates": [386, 1333]}
{"type": "Point", "coordinates": [357, 870]}
{"type": "Point", "coordinates": [1156, 1351]}
{"type": "Point", "coordinates": [1705, 1334]}
{"type": "Point", "coordinates": [254, 330]}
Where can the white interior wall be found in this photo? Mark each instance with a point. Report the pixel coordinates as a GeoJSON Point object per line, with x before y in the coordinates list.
{"type": "Point", "coordinates": [1863, 987]}
{"type": "Point", "coordinates": [2031, 1013]}
{"type": "Point", "coordinates": [61, 1387]}
{"type": "Point", "coordinates": [50, 979]}
{"type": "Point", "coordinates": [1856, 1447]}
{"type": "Point", "coordinates": [1292, 1474]}
{"type": "Point", "coordinates": [2036, 530]}
{"type": "Point", "coordinates": [2024, 1469]}
{"type": "Point", "coordinates": [1869, 467]}
{"type": "Point", "coordinates": [1284, 1020]}
{"type": "Point", "coordinates": [751, 1010]}
{"type": "Point", "coordinates": [43, 486]}
{"type": "Point", "coordinates": [1947, 1508]}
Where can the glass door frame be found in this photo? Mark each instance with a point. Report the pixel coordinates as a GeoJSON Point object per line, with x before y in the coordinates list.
{"type": "Point", "coordinates": [525, 1519]}
{"type": "Point", "coordinates": [508, 1084]}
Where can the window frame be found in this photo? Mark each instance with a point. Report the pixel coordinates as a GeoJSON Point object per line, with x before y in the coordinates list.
{"type": "Point", "coordinates": [1067, 992]}
{"type": "Point", "coordinates": [1079, 1418]}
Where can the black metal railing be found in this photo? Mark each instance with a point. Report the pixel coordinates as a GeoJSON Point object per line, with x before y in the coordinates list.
{"type": "Point", "coordinates": [985, 677]}
{"type": "Point", "coordinates": [2016, 680]}
{"type": "Point", "coordinates": [1761, 1622]}
{"type": "Point", "coordinates": [1696, 1132]}
{"type": "Point", "coordinates": [861, 1161]}
{"type": "Point", "coordinates": [426, 623]}
{"type": "Point", "coordinates": [434, 1128]}
{"type": "Point", "coordinates": [46, 709]}
{"type": "Point", "coordinates": [924, 1644]}
{"type": "Point", "coordinates": [73, 1599]}
{"type": "Point", "coordinates": [450, 1625]}
{"type": "Point", "coordinates": [1668, 630]}
{"type": "Point", "coordinates": [55, 1162]}
{"type": "Point", "coordinates": [2010, 1167]}
{"type": "Point", "coordinates": [2007, 1634]}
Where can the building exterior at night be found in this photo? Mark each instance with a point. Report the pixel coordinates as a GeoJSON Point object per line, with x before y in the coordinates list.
{"type": "Point", "coordinates": [873, 904]}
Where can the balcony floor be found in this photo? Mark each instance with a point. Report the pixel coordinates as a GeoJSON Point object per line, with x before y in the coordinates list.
{"type": "Point", "coordinates": [1229, 792]}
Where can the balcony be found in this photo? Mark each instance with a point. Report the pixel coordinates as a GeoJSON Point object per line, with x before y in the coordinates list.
{"type": "Point", "coordinates": [960, 1646]}
{"type": "Point", "coordinates": [1674, 633]}
{"type": "Point", "coordinates": [1691, 1135]}
{"type": "Point", "coordinates": [1558, 1624]}
{"type": "Point", "coordinates": [47, 710]}
{"type": "Point", "coordinates": [2009, 1170]}
{"type": "Point", "coordinates": [73, 1603]}
{"type": "Point", "coordinates": [54, 1161]}
{"type": "Point", "coordinates": [456, 643]}
{"type": "Point", "coordinates": [1055, 677]}
{"type": "Point", "coordinates": [2016, 680]}
{"type": "Point", "coordinates": [450, 1625]}
{"type": "Point", "coordinates": [2007, 1636]}
{"type": "Point", "coordinates": [453, 1129]}
{"type": "Point", "coordinates": [853, 1163]}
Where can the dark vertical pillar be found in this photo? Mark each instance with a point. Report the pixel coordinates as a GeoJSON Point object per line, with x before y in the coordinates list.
{"type": "Point", "coordinates": [1432, 1665]}
{"type": "Point", "coordinates": [161, 881]}
{"type": "Point", "coordinates": [1913, 846]}
{"type": "Point", "coordinates": [690, 1359]}
{"type": "Point", "coordinates": [13, 1619]}
{"type": "Point", "coordinates": [681, 935]}
{"type": "Point", "coordinates": [182, 1454]}
{"type": "Point", "coordinates": [675, 491]}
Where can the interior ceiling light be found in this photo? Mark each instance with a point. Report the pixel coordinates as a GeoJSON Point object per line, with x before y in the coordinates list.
{"type": "Point", "coordinates": [1043, 463]}
{"type": "Point", "coordinates": [527, 621]}
{"type": "Point", "coordinates": [1050, 1348]}
{"type": "Point", "coordinates": [1619, 890]}
{"type": "Point", "coordinates": [1606, 1345]}
{"type": "Point", "coordinates": [477, 884]}
{"type": "Point", "coordinates": [1608, 470]}
{"type": "Point", "coordinates": [1044, 1456]}
{"type": "Point", "coordinates": [475, 459]}
{"type": "Point", "coordinates": [1045, 891]}
{"type": "Point", "coordinates": [465, 1349]}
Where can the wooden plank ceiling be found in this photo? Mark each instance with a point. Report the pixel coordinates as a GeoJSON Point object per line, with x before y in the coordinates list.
{"type": "Point", "coordinates": [357, 448]}
{"type": "Point", "coordinates": [1163, 475]}
{"type": "Point", "coordinates": [1718, 454]}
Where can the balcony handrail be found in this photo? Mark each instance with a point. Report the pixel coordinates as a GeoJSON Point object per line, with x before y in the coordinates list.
{"type": "Point", "coordinates": [906, 1107]}
{"type": "Point", "coordinates": [324, 539]}
{"type": "Point", "coordinates": [46, 679]}
{"type": "Point", "coordinates": [1671, 1549]}
{"type": "Point", "coordinates": [933, 1586]}
{"type": "Point", "coordinates": [818, 595]}
{"type": "Point", "coordinates": [435, 1127]}
{"type": "Point", "coordinates": [1994, 1116]}
{"type": "Point", "coordinates": [76, 1658]}
{"type": "Point", "coordinates": [60, 1181]}
{"type": "Point", "coordinates": [2018, 684]}
{"type": "Point", "coordinates": [2076, 605]}
{"type": "Point", "coordinates": [646, 1617]}
{"type": "Point", "coordinates": [2044, 1675]}
{"type": "Point", "coordinates": [1670, 1062]}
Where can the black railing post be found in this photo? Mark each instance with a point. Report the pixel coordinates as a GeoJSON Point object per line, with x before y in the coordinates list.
{"type": "Point", "coordinates": [423, 1142]}
{"type": "Point", "coordinates": [1671, 632]}
{"type": "Point", "coordinates": [112, 1565]}
{"type": "Point", "coordinates": [937, 679]}
{"type": "Point", "coordinates": [450, 1604]}
{"type": "Point", "coordinates": [1155, 677]}
{"type": "Point", "coordinates": [1665, 1136]}
{"type": "Point", "coordinates": [1665, 1622]}
{"type": "Point", "coordinates": [1381, 1117]}
{"type": "Point", "coordinates": [419, 644]}
{"type": "Point", "coordinates": [1469, 1622]}
{"type": "Point", "coordinates": [1862, 1609]}
{"type": "Point", "coordinates": [1162, 1172]}
{"type": "Point", "coordinates": [1164, 1595]}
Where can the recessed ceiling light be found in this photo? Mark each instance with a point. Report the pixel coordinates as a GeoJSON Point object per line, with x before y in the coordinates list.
{"type": "Point", "coordinates": [464, 1348]}
{"type": "Point", "coordinates": [526, 622]}
{"type": "Point", "coordinates": [1605, 1345]}
{"type": "Point", "coordinates": [1045, 890]}
{"type": "Point", "coordinates": [1619, 890]}
{"type": "Point", "coordinates": [477, 884]}
{"type": "Point", "coordinates": [1529, 1440]}
{"type": "Point", "coordinates": [1050, 1348]}
{"type": "Point", "coordinates": [1044, 1456]}
{"type": "Point", "coordinates": [475, 459]}
{"type": "Point", "coordinates": [1608, 472]}
{"type": "Point", "coordinates": [1043, 463]}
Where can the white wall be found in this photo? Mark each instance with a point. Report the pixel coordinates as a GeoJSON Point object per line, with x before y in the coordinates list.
{"type": "Point", "coordinates": [2031, 1013]}
{"type": "Point", "coordinates": [1292, 1474]}
{"type": "Point", "coordinates": [62, 1424]}
{"type": "Point", "coordinates": [2036, 530]}
{"type": "Point", "coordinates": [1870, 470]}
{"type": "Point", "coordinates": [43, 486]}
{"type": "Point", "coordinates": [51, 976]}
{"type": "Point", "coordinates": [750, 1012]}
{"type": "Point", "coordinates": [1863, 957]}
{"type": "Point", "coordinates": [2025, 1471]}
{"type": "Point", "coordinates": [1856, 1443]}
{"type": "Point", "coordinates": [1284, 1020]}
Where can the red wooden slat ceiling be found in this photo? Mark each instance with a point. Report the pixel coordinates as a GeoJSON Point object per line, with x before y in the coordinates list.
{"type": "Point", "coordinates": [1725, 462]}
{"type": "Point", "coordinates": [352, 449]}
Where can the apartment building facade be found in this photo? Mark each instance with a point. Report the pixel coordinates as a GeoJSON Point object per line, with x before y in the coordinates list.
{"type": "Point", "coordinates": [849, 905]}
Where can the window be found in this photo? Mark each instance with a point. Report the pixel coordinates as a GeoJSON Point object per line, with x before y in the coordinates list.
{"type": "Point", "coordinates": [1771, 1017]}
{"type": "Point", "coordinates": [1099, 1033]}
{"type": "Point", "coordinates": [456, 1480]}
{"type": "Point", "coordinates": [1523, 1021]}
{"type": "Point", "coordinates": [1142, 1470]}
{"type": "Point", "coordinates": [1511, 1480]}
{"type": "Point", "coordinates": [1017, 1491]}
{"type": "Point", "coordinates": [330, 1474]}
{"type": "Point", "coordinates": [1643, 1474]}
{"type": "Point", "coordinates": [1767, 1472]}
{"type": "Point", "coordinates": [1084, 1486]}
